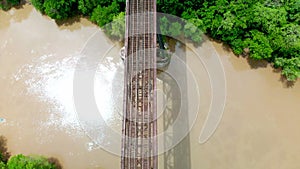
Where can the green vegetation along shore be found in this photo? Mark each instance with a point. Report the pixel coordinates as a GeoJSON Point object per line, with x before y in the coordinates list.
{"type": "Point", "coordinates": [21, 161]}
{"type": "Point", "coordinates": [261, 29]}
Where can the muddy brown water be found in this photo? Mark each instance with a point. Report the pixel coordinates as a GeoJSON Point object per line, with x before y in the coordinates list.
{"type": "Point", "coordinates": [259, 128]}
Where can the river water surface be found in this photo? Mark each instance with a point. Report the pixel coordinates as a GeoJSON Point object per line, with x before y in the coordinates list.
{"type": "Point", "coordinates": [259, 129]}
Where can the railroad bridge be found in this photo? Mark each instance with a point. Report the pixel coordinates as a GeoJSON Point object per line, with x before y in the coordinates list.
{"type": "Point", "coordinates": [139, 129]}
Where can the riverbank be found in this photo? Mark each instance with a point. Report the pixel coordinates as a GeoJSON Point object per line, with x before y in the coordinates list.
{"type": "Point", "coordinates": [37, 58]}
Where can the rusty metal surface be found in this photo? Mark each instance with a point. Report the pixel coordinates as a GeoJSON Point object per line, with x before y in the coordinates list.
{"type": "Point", "coordinates": [139, 144]}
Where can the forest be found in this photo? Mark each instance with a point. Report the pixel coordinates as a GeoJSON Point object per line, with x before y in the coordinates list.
{"type": "Point", "coordinates": [261, 29]}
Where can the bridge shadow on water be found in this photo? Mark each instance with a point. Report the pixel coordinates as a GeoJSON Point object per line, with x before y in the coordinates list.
{"type": "Point", "coordinates": [176, 109]}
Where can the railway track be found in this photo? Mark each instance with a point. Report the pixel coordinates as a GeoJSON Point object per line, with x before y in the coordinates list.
{"type": "Point", "coordinates": [139, 142]}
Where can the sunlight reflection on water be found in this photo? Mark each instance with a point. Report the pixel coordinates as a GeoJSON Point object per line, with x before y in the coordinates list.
{"type": "Point", "coordinates": [51, 80]}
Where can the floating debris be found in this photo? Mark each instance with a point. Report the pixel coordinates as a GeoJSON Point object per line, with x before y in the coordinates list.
{"type": "Point", "coordinates": [2, 120]}
{"type": "Point", "coordinates": [92, 146]}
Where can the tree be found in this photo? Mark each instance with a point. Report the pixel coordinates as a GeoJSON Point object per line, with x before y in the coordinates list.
{"type": "Point", "coordinates": [175, 29]}
{"type": "Point", "coordinates": [116, 29]}
{"type": "Point", "coordinates": [174, 7]}
{"type": "Point", "coordinates": [293, 9]}
{"type": "Point", "coordinates": [2, 165]}
{"type": "Point", "coordinates": [192, 30]}
{"type": "Point", "coordinates": [60, 9]}
{"type": "Point", "coordinates": [268, 18]}
{"type": "Point", "coordinates": [29, 162]}
{"type": "Point", "coordinates": [259, 45]}
{"type": "Point", "coordinates": [290, 67]}
{"type": "Point", "coordinates": [266, 29]}
{"type": "Point", "coordinates": [24, 162]}
{"type": "Point", "coordinates": [170, 28]}
{"type": "Point", "coordinates": [103, 15]}
{"type": "Point", "coordinates": [39, 5]}
{"type": "Point", "coordinates": [164, 25]}
{"type": "Point", "coordinates": [86, 7]}
{"type": "Point", "coordinates": [238, 46]}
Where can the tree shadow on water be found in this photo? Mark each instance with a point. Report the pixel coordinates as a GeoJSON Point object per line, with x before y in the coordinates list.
{"type": "Point", "coordinates": [283, 80]}
{"type": "Point", "coordinates": [18, 16]}
{"type": "Point", "coordinates": [69, 23]}
{"type": "Point", "coordinates": [226, 47]}
{"type": "Point", "coordinates": [255, 64]}
{"type": "Point", "coordinates": [73, 23]}
{"type": "Point", "coordinates": [4, 154]}
{"type": "Point", "coordinates": [55, 162]}
{"type": "Point", "coordinates": [21, 5]}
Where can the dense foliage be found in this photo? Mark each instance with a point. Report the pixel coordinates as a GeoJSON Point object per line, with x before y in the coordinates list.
{"type": "Point", "coordinates": [97, 9]}
{"type": "Point", "coordinates": [105, 14]}
{"type": "Point", "coordinates": [2, 165]}
{"type": "Point", "coordinates": [29, 162]}
{"type": "Point", "coordinates": [267, 29]}
{"type": "Point", "coordinates": [116, 29]}
{"type": "Point", "coordinates": [262, 29]}
{"type": "Point", "coordinates": [24, 162]}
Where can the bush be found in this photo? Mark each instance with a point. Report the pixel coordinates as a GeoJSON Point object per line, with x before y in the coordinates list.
{"type": "Point", "coordinates": [104, 15]}
{"type": "Point", "coordinates": [193, 30]}
{"type": "Point", "coordinates": [116, 29]}
{"type": "Point", "coordinates": [2, 165]}
{"type": "Point", "coordinates": [60, 9]}
{"type": "Point", "coordinates": [259, 46]}
{"type": "Point", "coordinates": [86, 7]}
{"type": "Point", "coordinates": [175, 29]}
{"type": "Point", "coordinates": [39, 5]}
{"type": "Point", "coordinates": [290, 67]}
{"type": "Point", "coordinates": [29, 162]}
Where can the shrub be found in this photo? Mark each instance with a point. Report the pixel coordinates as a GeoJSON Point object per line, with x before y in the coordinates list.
{"type": "Point", "coordinates": [104, 15]}
{"type": "Point", "coordinates": [29, 162]}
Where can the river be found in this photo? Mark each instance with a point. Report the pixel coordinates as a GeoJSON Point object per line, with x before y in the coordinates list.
{"type": "Point", "coordinates": [259, 128]}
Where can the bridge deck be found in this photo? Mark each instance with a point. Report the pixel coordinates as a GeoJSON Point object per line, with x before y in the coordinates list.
{"type": "Point", "coordinates": [139, 144]}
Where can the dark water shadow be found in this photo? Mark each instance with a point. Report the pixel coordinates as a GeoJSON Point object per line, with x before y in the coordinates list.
{"type": "Point", "coordinates": [7, 5]}
{"type": "Point", "coordinates": [255, 64]}
{"type": "Point", "coordinates": [178, 157]}
{"type": "Point", "coordinates": [283, 80]}
{"type": "Point", "coordinates": [21, 5]}
{"type": "Point", "coordinates": [56, 162]}
{"type": "Point", "coordinates": [73, 23]}
{"type": "Point", "coordinates": [68, 22]}
{"type": "Point", "coordinates": [227, 48]}
{"type": "Point", "coordinates": [3, 150]}
{"type": "Point", "coordinates": [286, 83]}
{"type": "Point", "coordinates": [19, 15]}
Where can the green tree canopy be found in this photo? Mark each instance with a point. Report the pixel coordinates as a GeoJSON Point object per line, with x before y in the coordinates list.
{"type": "Point", "coordinates": [116, 29]}
{"type": "Point", "coordinates": [60, 9]}
{"type": "Point", "coordinates": [2, 165]}
{"type": "Point", "coordinates": [86, 6]}
{"type": "Point", "coordinates": [29, 162]}
{"type": "Point", "coordinates": [102, 15]}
